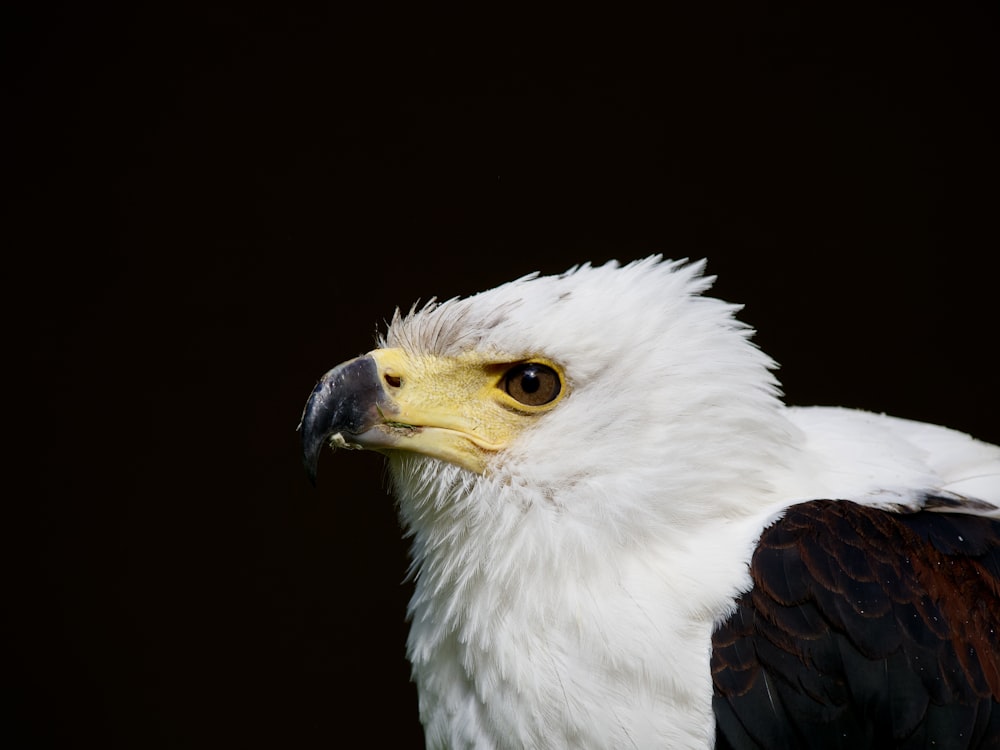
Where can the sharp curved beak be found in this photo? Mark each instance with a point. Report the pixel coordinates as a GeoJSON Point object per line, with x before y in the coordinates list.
{"type": "Point", "coordinates": [346, 403]}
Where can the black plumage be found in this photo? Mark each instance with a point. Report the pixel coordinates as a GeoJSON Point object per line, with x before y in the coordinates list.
{"type": "Point", "coordinates": [864, 629]}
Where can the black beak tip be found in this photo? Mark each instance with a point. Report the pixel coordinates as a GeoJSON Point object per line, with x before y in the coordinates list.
{"type": "Point", "coordinates": [311, 448]}
{"type": "Point", "coordinates": [345, 400]}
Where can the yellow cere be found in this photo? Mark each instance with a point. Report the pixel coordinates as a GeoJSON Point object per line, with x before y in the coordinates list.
{"type": "Point", "coordinates": [458, 409]}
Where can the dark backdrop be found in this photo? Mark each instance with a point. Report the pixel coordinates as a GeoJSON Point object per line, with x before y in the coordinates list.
{"type": "Point", "coordinates": [211, 206]}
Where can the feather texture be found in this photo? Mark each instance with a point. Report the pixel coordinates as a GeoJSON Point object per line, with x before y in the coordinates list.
{"type": "Point", "coordinates": [864, 629]}
{"type": "Point", "coordinates": [658, 547]}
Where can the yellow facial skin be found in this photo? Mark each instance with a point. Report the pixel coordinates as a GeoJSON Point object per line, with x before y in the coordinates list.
{"type": "Point", "coordinates": [456, 409]}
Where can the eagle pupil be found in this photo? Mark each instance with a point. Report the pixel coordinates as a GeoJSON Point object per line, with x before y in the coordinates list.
{"type": "Point", "coordinates": [530, 382]}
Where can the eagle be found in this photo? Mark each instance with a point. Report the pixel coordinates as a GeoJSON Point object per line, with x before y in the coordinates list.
{"type": "Point", "coordinates": [622, 537]}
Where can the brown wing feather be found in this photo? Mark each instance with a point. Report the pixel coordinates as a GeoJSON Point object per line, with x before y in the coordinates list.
{"type": "Point", "coordinates": [864, 628]}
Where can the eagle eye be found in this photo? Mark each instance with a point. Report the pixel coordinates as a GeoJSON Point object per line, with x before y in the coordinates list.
{"type": "Point", "coordinates": [532, 383]}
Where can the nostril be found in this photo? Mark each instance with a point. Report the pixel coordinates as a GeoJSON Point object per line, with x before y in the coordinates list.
{"type": "Point", "coordinates": [393, 381]}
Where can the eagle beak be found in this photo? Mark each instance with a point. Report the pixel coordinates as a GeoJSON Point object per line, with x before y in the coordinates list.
{"type": "Point", "coordinates": [450, 408]}
{"type": "Point", "coordinates": [346, 403]}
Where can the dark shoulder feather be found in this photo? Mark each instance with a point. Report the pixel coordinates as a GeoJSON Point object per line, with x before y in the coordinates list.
{"type": "Point", "coordinates": [864, 629]}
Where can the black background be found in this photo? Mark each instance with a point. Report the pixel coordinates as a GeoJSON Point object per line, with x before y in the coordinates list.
{"type": "Point", "coordinates": [211, 205]}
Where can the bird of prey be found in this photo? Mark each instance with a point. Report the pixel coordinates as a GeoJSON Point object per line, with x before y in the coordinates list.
{"type": "Point", "coordinates": [622, 537]}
